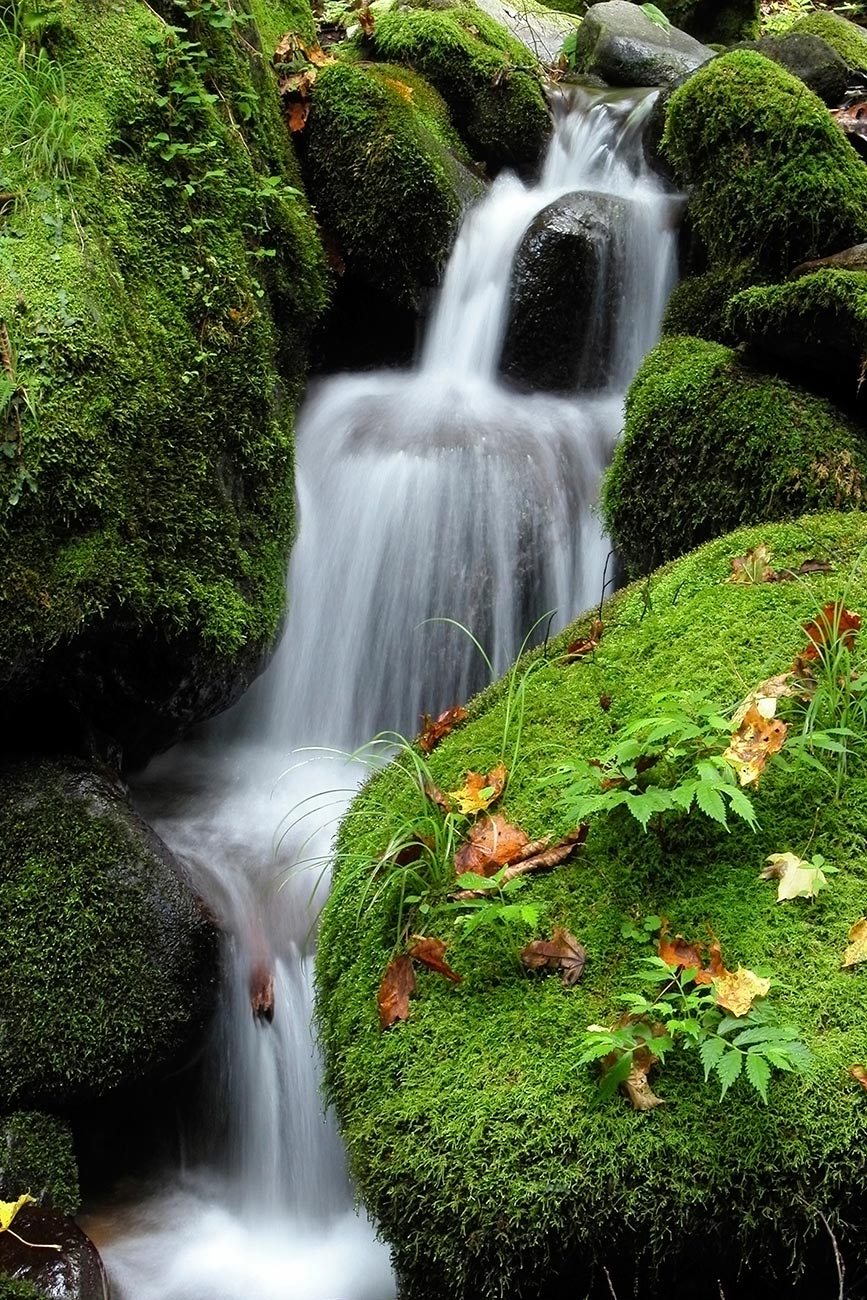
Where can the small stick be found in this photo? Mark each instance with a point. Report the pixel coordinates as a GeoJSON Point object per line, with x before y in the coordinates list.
{"type": "Point", "coordinates": [610, 1283]}
{"type": "Point", "coordinates": [838, 1258]}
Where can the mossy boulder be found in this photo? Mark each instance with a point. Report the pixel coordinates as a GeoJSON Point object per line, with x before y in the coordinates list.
{"type": "Point", "coordinates": [490, 81]}
{"type": "Point", "coordinates": [37, 1156]}
{"type": "Point", "coordinates": [618, 42]}
{"type": "Point", "coordinates": [698, 303]}
{"type": "Point", "coordinates": [815, 323]}
{"type": "Point", "coordinates": [811, 60]}
{"type": "Point", "coordinates": [161, 273]}
{"type": "Point", "coordinates": [771, 175]}
{"type": "Point", "coordinates": [710, 443]}
{"type": "Point", "coordinates": [109, 963]}
{"type": "Point", "coordinates": [473, 1129]}
{"type": "Point", "coordinates": [715, 22]}
{"type": "Point", "coordinates": [382, 163]}
{"type": "Point", "coordinates": [848, 39]}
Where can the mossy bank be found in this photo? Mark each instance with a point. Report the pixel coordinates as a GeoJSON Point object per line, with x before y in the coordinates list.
{"type": "Point", "coordinates": [472, 1128]}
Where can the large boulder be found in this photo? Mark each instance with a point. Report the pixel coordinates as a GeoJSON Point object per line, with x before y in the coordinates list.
{"type": "Point", "coordinates": [479, 1111]}
{"type": "Point", "coordinates": [711, 443]}
{"type": "Point", "coordinates": [770, 173]}
{"type": "Point", "coordinates": [161, 274]}
{"type": "Point", "coordinates": [618, 42]}
{"type": "Point", "coordinates": [848, 39]}
{"type": "Point", "coordinates": [811, 60]}
{"type": "Point", "coordinates": [561, 316]}
{"type": "Point", "coordinates": [72, 1272]}
{"type": "Point", "coordinates": [109, 964]}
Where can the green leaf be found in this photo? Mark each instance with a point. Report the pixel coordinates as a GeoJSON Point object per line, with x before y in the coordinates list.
{"type": "Point", "coordinates": [656, 16]}
{"type": "Point", "coordinates": [710, 802]}
{"type": "Point", "coordinates": [758, 1073]}
{"type": "Point", "coordinates": [612, 1079]}
{"type": "Point", "coordinates": [710, 1052]}
{"type": "Point", "coordinates": [728, 1067]}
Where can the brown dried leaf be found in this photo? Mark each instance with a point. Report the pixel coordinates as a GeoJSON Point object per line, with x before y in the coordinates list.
{"type": "Point", "coordinates": [478, 792]}
{"type": "Point", "coordinates": [586, 645]}
{"type": "Point", "coordinates": [434, 731]}
{"type": "Point", "coordinates": [738, 990]}
{"type": "Point", "coordinates": [753, 743]}
{"type": "Point", "coordinates": [287, 49]}
{"type": "Point", "coordinates": [803, 570]}
{"type": "Point", "coordinates": [636, 1085]}
{"type": "Point", "coordinates": [431, 953]}
{"type": "Point", "coordinates": [764, 697]}
{"type": "Point", "coordinates": [317, 55]}
{"type": "Point", "coordinates": [492, 844]}
{"type": "Point", "coordinates": [857, 949]}
{"type": "Point", "coordinates": [563, 952]}
{"type": "Point", "coordinates": [753, 567]}
{"type": "Point", "coordinates": [852, 118]}
{"type": "Point", "coordinates": [435, 794]}
{"type": "Point", "coordinates": [859, 1072]}
{"type": "Point", "coordinates": [297, 83]}
{"type": "Point", "coordinates": [297, 116]}
{"type": "Point", "coordinates": [681, 955]}
{"type": "Point", "coordinates": [395, 991]}
{"type": "Point", "coordinates": [365, 17]}
{"type": "Point", "coordinates": [835, 623]}
{"type": "Point", "coordinates": [542, 857]}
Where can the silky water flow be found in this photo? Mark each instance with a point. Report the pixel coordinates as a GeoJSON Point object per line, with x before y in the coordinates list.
{"type": "Point", "coordinates": [433, 494]}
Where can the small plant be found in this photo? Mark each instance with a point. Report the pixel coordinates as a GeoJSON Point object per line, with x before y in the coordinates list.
{"type": "Point", "coordinates": [834, 720]}
{"type": "Point", "coordinates": [671, 762]}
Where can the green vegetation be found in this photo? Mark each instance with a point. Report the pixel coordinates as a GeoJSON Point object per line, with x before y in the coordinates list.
{"type": "Point", "coordinates": [108, 964]}
{"type": "Point", "coordinates": [478, 1109]}
{"type": "Point", "coordinates": [713, 22]}
{"type": "Point", "coordinates": [10, 1289]}
{"type": "Point", "coordinates": [383, 162]}
{"type": "Point", "coordinates": [772, 175]}
{"type": "Point", "coordinates": [36, 1156]}
{"type": "Point", "coordinates": [488, 79]}
{"type": "Point", "coordinates": [698, 303]}
{"type": "Point", "coordinates": [848, 39]}
{"type": "Point", "coordinates": [710, 442]}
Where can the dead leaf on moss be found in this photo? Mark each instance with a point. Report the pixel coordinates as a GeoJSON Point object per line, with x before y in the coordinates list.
{"type": "Point", "coordinates": [365, 18]}
{"type": "Point", "coordinates": [436, 795]}
{"type": "Point", "coordinates": [736, 991]}
{"type": "Point", "coordinates": [401, 87]}
{"type": "Point", "coordinates": [753, 743]}
{"type": "Point", "coordinates": [431, 953]}
{"type": "Point", "coordinates": [682, 955]}
{"type": "Point", "coordinates": [478, 792]}
{"type": "Point", "coordinates": [798, 878]}
{"type": "Point", "coordinates": [753, 567]}
{"type": "Point", "coordinates": [636, 1085]}
{"type": "Point", "coordinates": [435, 730]}
{"type": "Point", "coordinates": [764, 697]}
{"type": "Point", "coordinates": [859, 1073]}
{"type": "Point", "coordinates": [563, 952]}
{"type": "Point", "coordinates": [493, 843]}
{"type": "Point", "coordinates": [585, 645]}
{"type": "Point", "coordinates": [292, 49]}
{"type": "Point", "coordinates": [857, 949]}
{"type": "Point", "coordinates": [395, 991]}
{"type": "Point", "coordinates": [536, 855]}
{"type": "Point", "coordinates": [835, 623]}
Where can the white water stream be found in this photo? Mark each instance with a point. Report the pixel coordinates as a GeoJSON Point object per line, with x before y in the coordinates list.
{"type": "Point", "coordinates": [434, 493]}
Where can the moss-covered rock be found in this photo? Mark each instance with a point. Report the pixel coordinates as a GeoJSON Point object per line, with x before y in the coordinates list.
{"type": "Point", "coordinates": [848, 39]}
{"type": "Point", "coordinates": [489, 80]}
{"type": "Point", "coordinates": [716, 22]}
{"type": "Point", "coordinates": [472, 1128]}
{"type": "Point", "coordinates": [161, 273]}
{"type": "Point", "coordinates": [36, 1156]}
{"type": "Point", "coordinates": [382, 164]}
{"type": "Point", "coordinates": [771, 174]}
{"type": "Point", "coordinates": [710, 444]}
{"type": "Point", "coordinates": [811, 60]}
{"type": "Point", "coordinates": [698, 303]}
{"type": "Point", "coordinates": [817, 323]}
{"type": "Point", "coordinates": [13, 1289]}
{"type": "Point", "coordinates": [109, 965]}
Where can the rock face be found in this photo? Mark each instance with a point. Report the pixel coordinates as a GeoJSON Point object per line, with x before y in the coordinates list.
{"type": "Point", "coordinates": [619, 43]}
{"type": "Point", "coordinates": [811, 60]}
{"type": "Point", "coordinates": [109, 964]}
{"type": "Point", "coordinates": [561, 322]}
{"type": "Point", "coordinates": [75, 1272]}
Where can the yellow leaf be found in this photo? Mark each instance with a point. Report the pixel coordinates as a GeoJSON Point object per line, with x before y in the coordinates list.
{"type": "Point", "coordinates": [857, 950]}
{"type": "Point", "coordinates": [8, 1209]}
{"type": "Point", "coordinates": [798, 879]}
{"type": "Point", "coordinates": [764, 698]}
{"type": "Point", "coordinates": [479, 792]}
{"type": "Point", "coordinates": [753, 743]}
{"type": "Point", "coordinates": [738, 990]}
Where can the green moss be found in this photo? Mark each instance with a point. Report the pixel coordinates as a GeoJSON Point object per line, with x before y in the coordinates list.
{"type": "Point", "coordinates": [36, 1156]}
{"type": "Point", "coordinates": [771, 172]}
{"type": "Point", "coordinates": [471, 1128]}
{"type": "Point", "coordinates": [11, 1289]}
{"type": "Point", "coordinates": [383, 162]}
{"type": "Point", "coordinates": [158, 297]}
{"type": "Point", "coordinates": [488, 79]}
{"type": "Point", "coordinates": [849, 40]}
{"type": "Point", "coordinates": [697, 305]}
{"type": "Point", "coordinates": [710, 444]}
{"type": "Point", "coordinates": [107, 962]}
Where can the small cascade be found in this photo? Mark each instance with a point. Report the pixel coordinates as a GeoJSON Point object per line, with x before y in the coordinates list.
{"type": "Point", "coordinates": [427, 498]}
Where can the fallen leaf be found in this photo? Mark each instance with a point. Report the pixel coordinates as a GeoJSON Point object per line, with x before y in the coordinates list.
{"type": "Point", "coordinates": [803, 570]}
{"type": "Point", "coordinates": [492, 844]}
{"type": "Point", "coordinates": [365, 18]}
{"type": "Point", "coordinates": [435, 794]}
{"type": "Point", "coordinates": [586, 645]}
{"type": "Point", "coordinates": [859, 1072]}
{"type": "Point", "coordinates": [563, 952]}
{"type": "Point", "coordinates": [857, 950]}
{"type": "Point", "coordinates": [431, 953]}
{"type": "Point", "coordinates": [537, 855]}
{"type": "Point", "coordinates": [835, 623]}
{"type": "Point", "coordinates": [297, 83]}
{"type": "Point", "coordinates": [605, 703]}
{"type": "Point", "coordinates": [797, 877]}
{"type": "Point", "coordinates": [636, 1085]}
{"type": "Point", "coordinates": [681, 955]}
{"type": "Point", "coordinates": [753, 743]}
{"type": "Point", "coordinates": [317, 55]}
{"type": "Point", "coordinates": [736, 991]}
{"type": "Point", "coordinates": [287, 49]}
{"type": "Point", "coordinates": [8, 1209]}
{"type": "Point", "coordinates": [434, 731]}
{"type": "Point", "coordinates": [852, 118]}
{"type": "Point", "coordinates": [753, 567]}
{"type": "Point", "coordinates": [478, 792]}
{"type": "Point", "coordinates": [395, 991]}
{"type": "Point", "coordinates": [299, 111]}
{"type": "Point", "coordinates": [764, 697]}
{"type": "Point", "coordinates": [410, 852]}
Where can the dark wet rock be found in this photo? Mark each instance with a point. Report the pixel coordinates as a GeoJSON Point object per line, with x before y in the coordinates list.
{"type": "Point", "coordinates": [810, 59]}
{"type": "Point", "coordinates": [559, 327]}
{"type": "Point", "coordinates": [74, 1272]}
{"type": "Point", "coordinates": [848, 259]}
{"type": "Point", "coordinates": [110, 965]}
{"type": "Point", "coordinates": [618, 42]}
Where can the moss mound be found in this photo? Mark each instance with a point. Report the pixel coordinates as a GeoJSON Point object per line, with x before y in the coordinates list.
{"type": "Point", "coordinates": [382, 163]}
{"type": "Point", "coordinates": [36, 1156]}
{"type": "Point", "coordinates": [472, 1128]}
{"type": "Point", "coordinates": [488, 79]}
{"type": "Point", "coordinates": [818, 321]}
{"type": "Point", "coordinates": [11, 1289]}
{"type": "Point", "coordinates": [698, 303]}
{"type": "Point", "coordinates": [770, 170]}
{"type": "Point", "coordinates": [710, 443]}
{"type": "Point", "coordinates": [109, 965]}
{"type": "Point", "coordinates": [161, 274]}
{"type": "Point", "coordinates": [848, 39]}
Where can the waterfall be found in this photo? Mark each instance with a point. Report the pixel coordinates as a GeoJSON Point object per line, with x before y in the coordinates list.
{"type": "Point", "coordinates": [425, 496]}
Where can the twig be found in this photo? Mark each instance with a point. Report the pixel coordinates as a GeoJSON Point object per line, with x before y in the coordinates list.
{"type": "Point", "coordinates": [610, 1283]}
{"type": "Point", "coordinates": [838, 1258]}
{"type": "Point", "coordinates": [722, 1294]}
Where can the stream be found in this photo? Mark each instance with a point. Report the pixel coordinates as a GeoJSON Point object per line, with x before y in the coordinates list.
{"type": "Point", "coordinates": [432, 494]}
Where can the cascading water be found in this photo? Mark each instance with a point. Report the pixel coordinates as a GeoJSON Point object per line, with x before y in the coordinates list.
{"type": "Point", "coordinates": [437, 494]}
